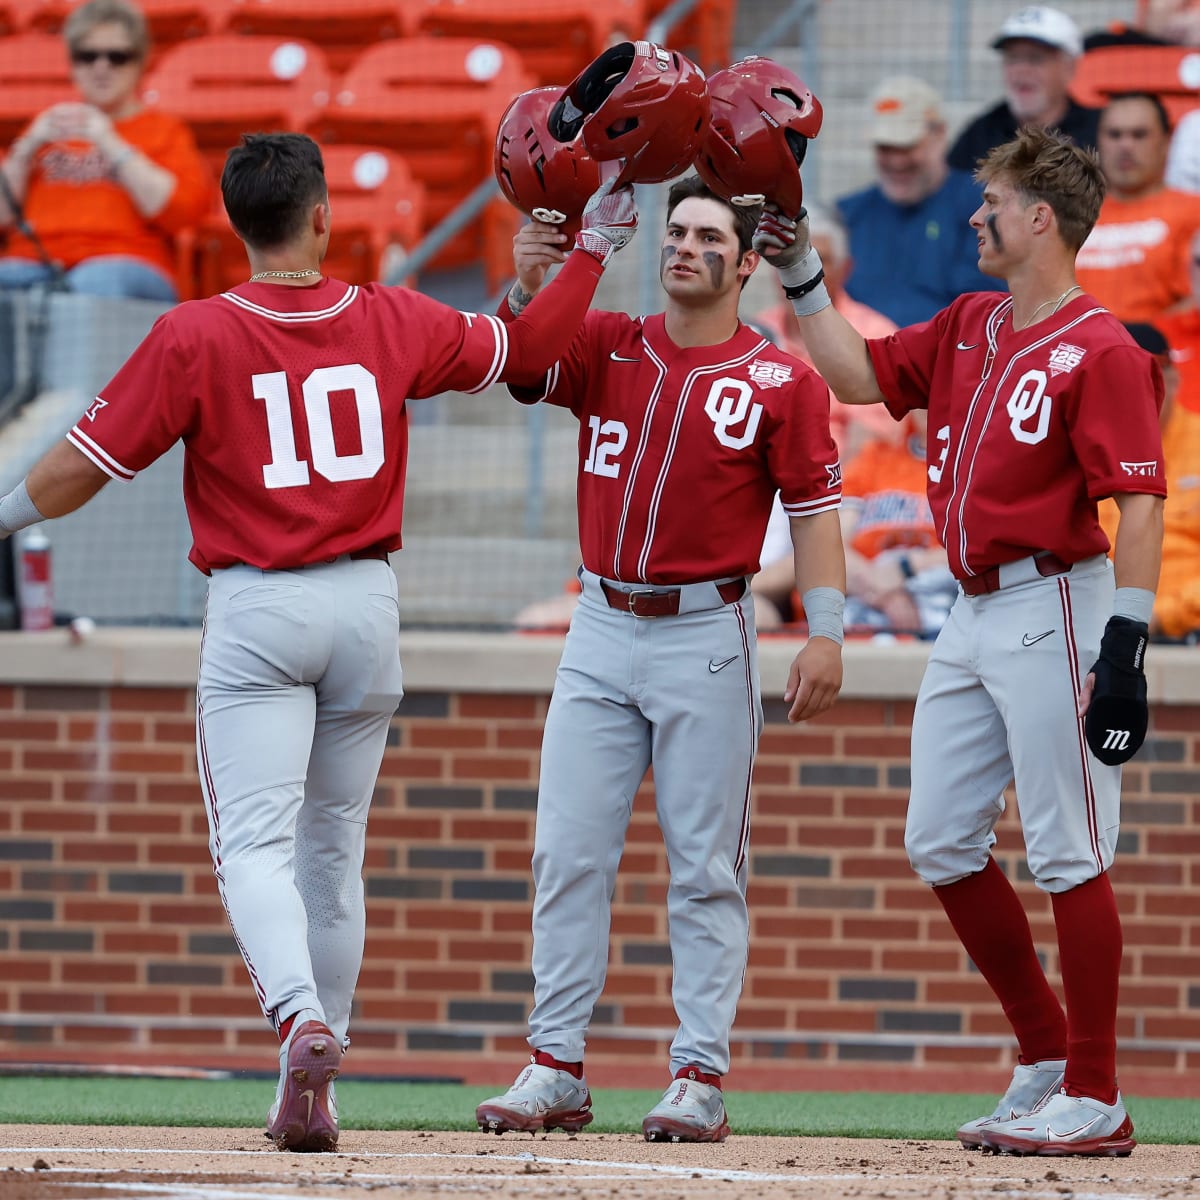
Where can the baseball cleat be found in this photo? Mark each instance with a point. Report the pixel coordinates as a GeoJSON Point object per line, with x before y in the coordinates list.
{"type": "Point", "coordinates": [304, 1116]}
{"type": "Point", "coordinates": [540, 1100]}
{"type": "Point", "coordinates": [1031, 1085]}
{"type": "Point", "coordinates": [690, 1111]}
{"type": "Point", "coordinates": [1066, 1125]}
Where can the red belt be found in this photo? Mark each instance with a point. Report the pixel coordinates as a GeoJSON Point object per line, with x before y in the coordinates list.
{"type": "Point", "coordinates": [989, 580]}
{"type": "Point", "coordinates": [645, 603]}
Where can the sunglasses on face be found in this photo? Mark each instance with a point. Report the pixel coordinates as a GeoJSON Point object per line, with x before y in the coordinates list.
{"type": "Point", "coordinates": [116, 58]}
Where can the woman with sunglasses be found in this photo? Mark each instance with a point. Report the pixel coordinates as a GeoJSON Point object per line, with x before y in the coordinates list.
{"type": "Point", "coordinates": [104, 183]}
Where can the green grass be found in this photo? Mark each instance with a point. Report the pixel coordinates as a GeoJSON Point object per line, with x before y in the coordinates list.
{"type": "Point", "coordinates": [91, 1100]}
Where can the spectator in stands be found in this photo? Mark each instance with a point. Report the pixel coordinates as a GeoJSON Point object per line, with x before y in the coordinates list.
{"type": "Point", "coordinates": [911, 243]}
{"type": "Point", "coordinates": [1177, 606]}
{"type": "Point", "coordinates": [1135, 259]}
{"type": "Point", "coordinates": [847, 422]}
{"type": "Point", "coordinates": [1175, 22]}
{"type": "Point", "coordinates": [1038, 46]}
{"type": "Point", "coordinates": [104, 184]}
{"type": "Point", "coordinates": [1183, 158]}
{"type": "Point", "coordinates": [897, 578]}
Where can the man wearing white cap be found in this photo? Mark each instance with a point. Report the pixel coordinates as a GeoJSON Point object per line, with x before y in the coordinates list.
{"type": "Point", "coordinates": [1039, 46]}
{"type": "Point", "coordinates": [911, 243]}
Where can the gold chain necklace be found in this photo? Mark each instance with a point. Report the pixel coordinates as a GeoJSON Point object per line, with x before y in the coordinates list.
{"type": "Point", "coordinates": [1061, 300]}
{"type": "Point", "coordinates": [283, 274]}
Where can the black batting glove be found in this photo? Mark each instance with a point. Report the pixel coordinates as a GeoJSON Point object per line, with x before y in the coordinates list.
{"type": "Point", "coordinates": [1116, 719]}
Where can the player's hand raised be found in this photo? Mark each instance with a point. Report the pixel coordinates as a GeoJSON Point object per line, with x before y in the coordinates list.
{"type": "Point", "coordinates": [609, 221]}
{"type": "Point", "coordinates": [782, 240]}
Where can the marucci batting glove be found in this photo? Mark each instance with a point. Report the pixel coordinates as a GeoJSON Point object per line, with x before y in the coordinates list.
{"type": "Point", "coordinates": [609, 222]}
{"type": "Point", "coordinates": [784, 243]}
{"type": "Point", "coordinates": [1116, 719]}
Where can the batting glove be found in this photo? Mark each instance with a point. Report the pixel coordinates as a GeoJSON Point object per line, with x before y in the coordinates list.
{"type": "Point", "coordinates": [1116, 719]}
{"type": "Point", "coordinates": [784, 244]}
{"type": "Point", "coordinates": [609, 222]}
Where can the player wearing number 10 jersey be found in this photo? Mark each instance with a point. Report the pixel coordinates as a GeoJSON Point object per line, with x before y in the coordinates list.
{"type": "Point", "coordinates": [289, 393]}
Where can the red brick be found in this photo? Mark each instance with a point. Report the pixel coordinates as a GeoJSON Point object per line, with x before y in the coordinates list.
{"type": "Point", "coordinates": [141, 821]}
{"type": "Point", "coordinates": [922, 962]}
{"type": "Point", "coordinates": [148, 762]}
{"type": "Point", "coordinates": [767, 924]}
{"type": "Point", "coordinates": [139, 941]}
{"type": "Point", "coordinates": [102, 912]}
{"type": "Point", "coordinates": [180, 730]}
{"type": "Point", "coordinates": [173, 791]}
{"type": "Point", "coordinates": [882, 866]}
{"type": "Point", "coordinates": [795, 742]}
{"type": "Point", "coordinates": [864, 806]}
{"type": "Point", "coordinates": [100, 850]}
{"type": "Point", "coordinates": [790, 804]}
{"type": "Point", "coordinates": [443, 979]}
{"type": "Point", "coordinates": [518, 737]}
{"type": "Point", "coordinates": [58, 819]}
{"type": "Point", "coordinates": [500, 707]}
{"type": "Point", "coordinates": [842, 835]}
{"type": "Point", "coordinates": [68, 758]}
{"type": "Point", "coordinates": [403, 827]}
{"type": "Point", "coordinates": [23, 970]}
{"type": "Point", "coordinates": [398, 949]}
{"type": "Point", "coordinates": [766, 773]}
{"type": "Point", "coordinates": [443, 735]}
{"type": "Point", "coordinates": [97, 791]}
{"type": "Point", "coordinates": [411, 766]}
{"type": "Point", "coordinates": [57, 1001]}
{"type": "Point", "coordinates": [786, 987]}
{"type": "Point", "coordinates": [855, 712]}
{"type": "Point", "coordinates": [187, 1037]}
{"type": "Point", "coordinates": [8, 698]}
{"type": "Point", "coordinates": [102, 729]}
{"type": "Point", "coordinates": [492, 766]}
{"type": "Point", "coordinates": [150, 700]}
{"type": "Point", "coordinates": [93, 1035]}
{"type": "Point", "coordinates": [29, 729]}
{"type": "Point", "coordinates": [494, 950]}
{"type": "Point", "coordinates": [486, 828]}
{"type": "Point", "coordinates": [638, 924]}
{"type": "Point", "coordinates": [509, 921]}
{"type": "Point", "coordinates": [98, 971]}
{"type": "Point", "coordinates": [843, 1017]}
{"type": "Point", "coordinates": [507, 861]}
{"type": "Point", "coordinates": [457, 917]}
{"type": "Point", "coordinates": [876, 746]}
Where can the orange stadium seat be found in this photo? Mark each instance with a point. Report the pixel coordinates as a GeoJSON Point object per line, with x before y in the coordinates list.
{"type": "Point", "coordinates": [229, 84]}
{"type": "Point", "coordinates": [342, 28]}
{"type": "Point", "coordinates": [1171, 72]}
{"type": "Point", "coordinates": [555, 38]}
{"type": "Point", "coordinates": [706, 33]}
{"type": "Point", "coordinates": [34, 74]}
{"type": "Point", "coordinates": [436, 102]}
{"type": "Point", "coordinates": [377, 211]}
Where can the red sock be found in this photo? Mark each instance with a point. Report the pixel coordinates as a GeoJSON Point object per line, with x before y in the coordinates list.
{"type": "Point", "coordinates": [1089, 957]}
{"type": "Point", "coordinates": [285, 1027]}
{"type": "Point", "coordinates": [694, 1072]}
{"type": "Point", "coordinates": [548, 1060]}
{"type": "Point", "coordinates": [994, 931]}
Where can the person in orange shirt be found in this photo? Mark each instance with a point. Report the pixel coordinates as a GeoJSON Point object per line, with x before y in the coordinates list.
{"type": "Point", "coordinates": [1177, 601]}
{"type": "Point", "coordinates": [851, 424]}
{"type": "Point", "coordinates": [105, 185]}
{"type": "Point", "coordinates": [1135, 259]}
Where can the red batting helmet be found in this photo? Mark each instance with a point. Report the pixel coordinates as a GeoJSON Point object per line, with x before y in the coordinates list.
{"type": "Point", "coordinates": [762, 119]}
{"type": "Point", "coordinates": [640, 103]}
{"type": "Point", "coordinates": [536, 172]}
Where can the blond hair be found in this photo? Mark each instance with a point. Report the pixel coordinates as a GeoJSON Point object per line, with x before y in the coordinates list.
{"type": "Point", "coordinates": [88, 16]}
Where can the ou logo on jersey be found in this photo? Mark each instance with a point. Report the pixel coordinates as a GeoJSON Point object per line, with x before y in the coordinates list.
{"type": "Point", "coordinates": [1029, 408]}
{"type": "Point", "coordinates": [731, 408]}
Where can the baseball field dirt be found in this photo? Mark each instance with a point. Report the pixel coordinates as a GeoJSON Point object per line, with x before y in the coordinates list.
{"type": "Point", "coordinates": [44, 1162]}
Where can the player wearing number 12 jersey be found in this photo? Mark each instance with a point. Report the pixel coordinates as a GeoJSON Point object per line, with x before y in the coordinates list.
{"type": "Point", "coordinates": [1039, 405]}
{"type": "Point", "coordinates": [689, 424]}
{"type": "Point", "coordinates": [289, 393]}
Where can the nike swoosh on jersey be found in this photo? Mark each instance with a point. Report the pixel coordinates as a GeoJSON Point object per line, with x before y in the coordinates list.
{"type": "Point", "coordinates": [621, 358]}
{"type": "Point", "coordinates": [1033, 639]}
{"type": "Point", "coordinates": [966, 346]}
{"type": "Point", "coordinates": [714, 666]}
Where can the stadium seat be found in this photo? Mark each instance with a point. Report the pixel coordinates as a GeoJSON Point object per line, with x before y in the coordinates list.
{"type": "Point", "coordinates": [555, 38]}
{"type": "Point", "coordinates": [706, 33]}
{"type": "Point", "coordinates": [1171, 72]}
{"type": "Point", "coordinates": [377, 212]}
{"type": "Point", "coordinates": [342, 28]}
{"type": "Point", "coordinates": [229, 84]}
{"type": "Point", "coordinates": [34, 74]}
{"type": "Point", "coordinates": [436, 102]}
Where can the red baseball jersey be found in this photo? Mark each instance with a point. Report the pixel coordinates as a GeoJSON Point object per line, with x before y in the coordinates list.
{"type": "Point", "coordinates": [291, 406]}
{"type": "Point", "coordinates": [1028, 428]}
{"type": "Point", "coordinates": [681, 451]}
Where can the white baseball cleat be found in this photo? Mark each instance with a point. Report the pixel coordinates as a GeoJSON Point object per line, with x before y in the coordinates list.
{"type": "Point", "coordinates": [690, 1111]}
{"type": "Point", "coordinates": [541, 1099]}
{"type": "Point", "coordinates": [1066, 1125]}
{"type": "Point", "coordinates": [1031, 1085]}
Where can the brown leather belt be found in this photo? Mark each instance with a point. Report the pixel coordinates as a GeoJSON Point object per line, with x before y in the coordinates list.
{"type": "Point", "coordinates": [665, 603]}
{"type": "Point", "coordinates": [989, 580]}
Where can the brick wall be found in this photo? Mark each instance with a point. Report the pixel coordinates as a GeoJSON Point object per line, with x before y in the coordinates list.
{"type": "Point", "coordinates": [112, 935]}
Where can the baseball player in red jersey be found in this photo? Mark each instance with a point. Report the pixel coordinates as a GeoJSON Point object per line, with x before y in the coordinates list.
{"type": "Point", "coordinates": [289, 393]}
{"type": "Point", "coordinates": [689, 423]}
{"type": "Point", "coordinates": [1039, 405]}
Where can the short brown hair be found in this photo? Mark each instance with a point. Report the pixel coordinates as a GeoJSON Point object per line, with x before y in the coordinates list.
{"type": "Point", "coordinates": [87, 16]}
{"type": "Point", "coordinates": [1044, 165]}
{"type": "Point", "coordinates": [745, 220]}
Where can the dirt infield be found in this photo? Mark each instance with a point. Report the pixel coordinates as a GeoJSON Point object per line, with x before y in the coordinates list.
{"type": "Point", "coordinates": [43, 1162]}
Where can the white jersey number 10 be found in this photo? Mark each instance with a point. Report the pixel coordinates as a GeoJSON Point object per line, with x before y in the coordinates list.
{"type": "Point", "coordinates": [286, 469]}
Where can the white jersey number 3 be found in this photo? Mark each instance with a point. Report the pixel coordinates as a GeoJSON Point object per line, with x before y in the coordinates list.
{"type": "Point", "coordinates": [1029, 409]}
{"type": "Point", "coordinates": [286, 469]}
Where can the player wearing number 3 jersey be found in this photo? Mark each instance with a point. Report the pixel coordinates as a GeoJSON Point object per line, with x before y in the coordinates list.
{"type": "Point", "coordinates": [1039, 405]}
{"type": "Point", "coordinates": [289, 393]}
{"type": "Point", "coordinates": [689, 424]}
